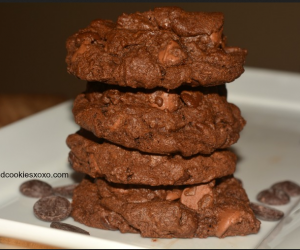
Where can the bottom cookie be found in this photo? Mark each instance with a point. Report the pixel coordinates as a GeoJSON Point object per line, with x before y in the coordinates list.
{"type": "Point", "coordinates": [219, 208]}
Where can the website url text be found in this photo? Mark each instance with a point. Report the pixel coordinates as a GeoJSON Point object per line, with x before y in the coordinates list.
{"type": "Point", "coordinates": [33, 175]}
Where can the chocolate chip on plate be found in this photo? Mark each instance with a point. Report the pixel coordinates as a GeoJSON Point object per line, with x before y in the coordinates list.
{"type": "Point", "coordinates": [65, 191]}
{"type": "Point", "coordinates": [52, 208]}
{"type": "Point", "coordinates": [36, 189]}
{"type": "Point", "coordinates": [68, 227]}
{"type": "Point", "coordinates": [266, 213]}
{"type": "Point", "coordinates": [291, 188]}
{"type": "Point", "coordinates": [273, 196]}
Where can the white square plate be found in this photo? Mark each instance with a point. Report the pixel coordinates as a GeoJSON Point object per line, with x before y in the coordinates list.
{"type": "Point", "coordinates": [268, 151]}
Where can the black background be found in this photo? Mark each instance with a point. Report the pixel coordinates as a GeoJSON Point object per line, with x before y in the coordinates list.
{"type": "Point", "coordinates": [33, 36]}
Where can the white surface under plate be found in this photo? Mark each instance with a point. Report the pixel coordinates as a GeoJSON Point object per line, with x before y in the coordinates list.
{"type": "Point", "coordinates": [268, 151]}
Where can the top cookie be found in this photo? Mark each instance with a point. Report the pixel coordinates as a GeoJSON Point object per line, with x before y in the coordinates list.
{"type": "Point", "coordinates": [166, 47]}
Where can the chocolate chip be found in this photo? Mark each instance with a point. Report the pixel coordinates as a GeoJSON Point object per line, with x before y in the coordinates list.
{"type": "Point", "coordinates": [173, 195]}
{"type": "Point", "coordinates": [273, 197]}
{"type": "Point", "coordinates": [172, 54]}
{"type": "Point", "coordinates": [197, 195]}
{"type": "Point", "coordinates": [266, 213]}
{"type": "Point", "coordinates": [52, 208]}
{"type": "Point", "coordinates": [68, 227]}
{"type": "Point", "coordinates": [36, 189]}
{"type": "Point", "coordinates": [159, 101]}
{"type": "Point", "coordinates": [65, 191]}
{"type": "Point", "coordinates": [190, 191]}
{"type": "Point", "coordinates": [191, 99]}
{"type": "Point", "coordinates": [289, 187]}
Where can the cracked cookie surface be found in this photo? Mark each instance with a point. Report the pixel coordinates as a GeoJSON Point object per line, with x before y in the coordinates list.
{"type": "Point", "coordinates": [165, 47]}
{"type": "Point", "coordinates": [183, 121]}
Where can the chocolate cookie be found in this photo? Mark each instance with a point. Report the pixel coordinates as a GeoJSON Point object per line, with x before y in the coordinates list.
{"type": "Point", "coordinates": [86, 209]}
{"type": "Point", "coordinates": [215, 209]}
{"type": "Point", "coordinates": [186, 122]}
{"type": "Point", "coordinates": [119, 165]}
{"type": "Point", "coordinates": [166, 47]}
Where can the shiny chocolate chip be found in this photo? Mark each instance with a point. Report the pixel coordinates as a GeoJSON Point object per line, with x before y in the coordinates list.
{"type": "Point", "coordinates": [289, 187]}
{"type": "Point", "coordinates": [36, 189]}
{"type": "Point", "coordinates": [191, 99]}
{"type": "Point", "coordinates": [68, 227]}
{"type": "Point", "coordinates": [65, 191]}
{"type": "Point", "coordinates": [273, 197]}
{"type": "Point", "coordinates": [266, 213]}
{"type": "Point", "coordinates": [52, 208]}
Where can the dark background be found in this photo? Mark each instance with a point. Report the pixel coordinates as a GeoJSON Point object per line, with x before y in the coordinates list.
{"type": "Point", "coordinates": [33, 35]}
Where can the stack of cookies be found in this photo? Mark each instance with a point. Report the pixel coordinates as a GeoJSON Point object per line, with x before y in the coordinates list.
{"type": "Point", "coordinates": [156, 126]}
